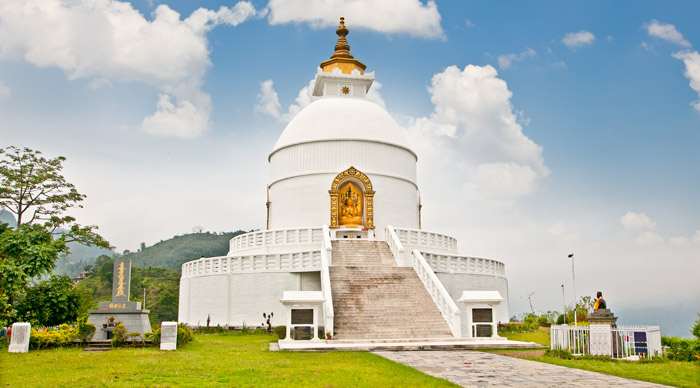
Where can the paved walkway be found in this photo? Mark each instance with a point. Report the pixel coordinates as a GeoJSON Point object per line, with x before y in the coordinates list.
{"type": "Point", "coordinates": [478, 369]}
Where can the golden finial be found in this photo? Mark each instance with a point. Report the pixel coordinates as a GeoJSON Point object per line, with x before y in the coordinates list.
{"type": "Point", "coordinates": [342, 58]}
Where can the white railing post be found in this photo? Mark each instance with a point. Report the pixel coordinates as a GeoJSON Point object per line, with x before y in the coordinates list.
{"type": "Point", "coordinates": [396, 247]}
{"type": "Point", "coordinates": [448, 308]}
{"type": "Point", "coordinates": [326, 259]}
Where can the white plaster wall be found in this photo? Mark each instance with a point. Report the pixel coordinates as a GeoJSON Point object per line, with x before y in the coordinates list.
{"type": "Point", "coordinates": [234, 299]}
{"type": "Point", "coordinates": [304, 201]}
{"type": "Point", "coordinates": [457, 282]}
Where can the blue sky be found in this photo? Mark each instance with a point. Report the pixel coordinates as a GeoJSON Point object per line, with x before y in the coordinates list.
{"type": "Point", "coordinates": [572, 127]}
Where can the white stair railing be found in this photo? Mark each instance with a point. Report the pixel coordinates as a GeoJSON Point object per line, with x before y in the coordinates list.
{"type": "Point", "coordinates": [448, 308]}
{"type": "Point", "coordinates": [396, 247]}
{"type": "Point", "coordinates": [326, 261]}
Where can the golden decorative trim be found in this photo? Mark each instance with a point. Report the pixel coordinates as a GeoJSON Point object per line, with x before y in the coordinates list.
{"type": "Point", "coordinates": [334, 193]}
{"type": "Point", "coordinates": [342, 58]}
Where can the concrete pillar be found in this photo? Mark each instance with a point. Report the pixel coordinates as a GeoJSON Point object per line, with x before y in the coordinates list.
{"type": "Point", "coordinates": [601, 322]}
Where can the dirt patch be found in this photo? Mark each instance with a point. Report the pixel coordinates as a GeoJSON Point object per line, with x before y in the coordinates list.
{"type": "Point", "coordinates": [521, 353]}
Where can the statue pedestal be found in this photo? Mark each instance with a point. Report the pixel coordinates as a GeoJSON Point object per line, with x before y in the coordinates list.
{"type": "Point", "coordinates": [601, 322]}
{"type": "Point", "coordinates": [133, 320]}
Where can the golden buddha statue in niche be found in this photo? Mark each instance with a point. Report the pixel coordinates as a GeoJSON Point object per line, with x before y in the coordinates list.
{"type": "Point", "coordinates": [351, 205]}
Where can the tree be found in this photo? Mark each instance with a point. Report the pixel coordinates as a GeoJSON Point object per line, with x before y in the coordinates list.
{"type": "Point", "coordinates": [32, 188]}
{"type": "Point", "coordinates": [52, 302]}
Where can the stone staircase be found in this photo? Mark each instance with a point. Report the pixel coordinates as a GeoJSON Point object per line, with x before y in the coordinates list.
{"type": "Point", "coordinates": [373, 298]}
{"type": "Point", "coordinates": [98, 346]}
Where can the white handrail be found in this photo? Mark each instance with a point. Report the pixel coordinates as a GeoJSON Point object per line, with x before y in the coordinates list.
{"type": "Point", "coordinates": [275, 237]}
{"type": "Point", "coordinates": [425, 240]}
{"type": "Point", "coordinates": [396, 247]}
{"type": "Point", "coordinates": [448, 308]}
{"type": "Point", "coordinates": [464, 264]}
{"type": "Point", "coordinates": [297, 261]}
{"type": "Point", "coordinates": [326, 260]}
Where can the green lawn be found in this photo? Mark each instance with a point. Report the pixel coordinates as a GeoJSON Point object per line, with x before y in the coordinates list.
{"type": "Point", "coordinates": [663, 371]}
{"type": "Point", "coordinates": [209, 360]}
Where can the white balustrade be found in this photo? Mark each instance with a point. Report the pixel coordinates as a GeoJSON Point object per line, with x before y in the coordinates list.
{"type": "Point", "coordinates": [424, 240]}
{"type": "Point", "coordinates": [464, 264]}
{"type": "Point", "coordinates": [275, 237]}
{"type": "Point", "coordinates": [448, 308]}
{"type": "Point", "coordinates": [326, 260]}
{"type": "Point", "coordinates": [299, 261]}
{"type": "Point", "coordinates": [397, 249]}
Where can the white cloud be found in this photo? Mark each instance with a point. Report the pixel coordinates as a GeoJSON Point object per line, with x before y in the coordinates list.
{"type": "Point", "coordinates": [679, 242]}
{"type": "Point", "coordinates": [505, 61]}
{"type": "Point", "coordinates": [666, 32]}
{"type": "Point", "coordinates": [578, 39]}
{"type": "Point", "coordinates": [268, 100]}
{"type": "Point", "coordinates": [649, 238]}
{"type": "Point", "coordinates": [98, 83]}
{"type": "Point", "coordinates": [637, 221]}
{"type": "Point", "coordinates": [111, 40]}
{"type": "Point", "coordinates": [470, 24]}
{"type": "Point", "coordinates": [410, 17]}
{"type": "Point", "coordinates": [5, 91]}
{"type": "Point", "coordinates": [646, 46]}
{"type": "Point", "coordinates": [475, 128]}
{"type": "Point", "coordinates": [559, 65]}
{"type": "Point", "coordinates": [692, 71]}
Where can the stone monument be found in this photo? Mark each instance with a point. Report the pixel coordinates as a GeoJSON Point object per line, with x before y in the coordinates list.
{"type": "Point", "coordinates": [120, 309]}
{"type": "Point", "coordinates": [19, 343]}
{"type": "Point", "coordinates": [601, 322]}
{"type": "Point", "coordinates": [168, 336]}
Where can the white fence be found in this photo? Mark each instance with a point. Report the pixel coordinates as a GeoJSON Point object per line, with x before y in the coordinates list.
{"type": "Point", "coordinates": [423, 240]}
{"type": "Point", "coordinates": [454, 263]}
{"type": "Point", "coordinates": [300, 261]}
{"type": "Point", "coordinates": [397, 249]}
{"type": "Point", "coordinates": [448, 308]}
{"type": "Point", "coordinates": [627, 342]}
{"type": "Point", "coordinates": [271, 238]}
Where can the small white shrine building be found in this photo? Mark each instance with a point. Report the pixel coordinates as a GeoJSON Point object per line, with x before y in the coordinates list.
{"type": "Point", "coordinates": [344, 252]}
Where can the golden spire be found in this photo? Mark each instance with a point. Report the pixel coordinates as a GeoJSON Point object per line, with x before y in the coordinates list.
{"type": "Point", "coordinates": [342, 59]}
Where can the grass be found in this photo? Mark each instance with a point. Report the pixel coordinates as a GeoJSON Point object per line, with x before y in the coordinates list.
{"type": "Point", "coordinates": [663, 371]}
{"type": "Point", "coordinates": [210, 360]}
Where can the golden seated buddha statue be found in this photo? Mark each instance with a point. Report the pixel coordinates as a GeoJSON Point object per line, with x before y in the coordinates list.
{"type": "Point", "coordinates": [351, 214]}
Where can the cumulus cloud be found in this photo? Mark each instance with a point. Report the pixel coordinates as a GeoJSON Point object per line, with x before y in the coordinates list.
{"type": "Point", "coordinates": [637, 221]}
{"type": "Point", "coordinates": [411, 17]}
{"type": "Point", "coordinates": [505, 61]}
{"type": "Point", "coordinates": [578, 39]}
{"type": "Point", "coordinates": [475, 128]}
{"type": "Point", "coordinates": [5, 91]}
{"type": "Point", "coordinates": [110, 40]}
{"type": "Point", "coordinates": [666, 32]}
{"type": "Point", "coordinates": [268, 100]}
{"type": "Point", "coordinates": [692, 71]}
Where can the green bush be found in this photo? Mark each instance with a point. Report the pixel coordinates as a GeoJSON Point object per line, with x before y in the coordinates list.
{"type": "Point", "coordinates": [281, 331]}
{"type": "Point", "coordinates": [696, 328]}
{"type": "Point", "coordinates": [118, 335]}
{"type": "Point", "coordinates": [85, 329]}
{"type": "Point", "coordinates": [558, 353]}
{"type": "Point", "coordinates": [184, 334]}
{"type": "Point", "coordinates": [63, 337]}
{"type": "Point", "coordinates": [681, 349]}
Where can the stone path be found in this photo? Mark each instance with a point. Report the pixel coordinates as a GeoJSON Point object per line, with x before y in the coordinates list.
{"type": "Point", "coordinates": [478, 369]}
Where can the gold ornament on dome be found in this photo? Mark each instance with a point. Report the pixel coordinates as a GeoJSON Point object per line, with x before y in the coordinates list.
{"type": "Point", "coordinates": [346, 90]}
{"type": "Point", "coordinates": [350, 204]}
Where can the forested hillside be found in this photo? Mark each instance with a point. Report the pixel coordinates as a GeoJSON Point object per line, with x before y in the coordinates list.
{"type": "Point", "coordinates": [174, 252]}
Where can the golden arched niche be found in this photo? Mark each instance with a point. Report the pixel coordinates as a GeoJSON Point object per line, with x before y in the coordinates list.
{"type": "Point", "coordinates": [352, 200]}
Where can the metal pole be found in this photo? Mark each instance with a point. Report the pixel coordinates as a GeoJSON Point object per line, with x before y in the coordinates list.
{"type": "Point", "coordinates": [144, 299]}
{"type": "Point", "coordinates": [573, 276]}
{"type": "Point", "coordinates": [563, 302]}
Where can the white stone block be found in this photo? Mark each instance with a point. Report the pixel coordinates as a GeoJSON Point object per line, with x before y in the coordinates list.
{"type": "Point", "coordinates": [168, 336]}
{"type": "Point", "coordinates": [19, 343]}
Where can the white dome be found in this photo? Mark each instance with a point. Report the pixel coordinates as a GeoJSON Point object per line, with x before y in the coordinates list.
{"type": "Point", "coordinates": [339, 118]}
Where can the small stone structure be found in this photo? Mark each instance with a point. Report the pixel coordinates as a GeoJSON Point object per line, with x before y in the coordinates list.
{"type": "Point", "coordinates": [302, 314]}
{"type": "Point", "coordinates": [120, 308]}
{"type": "Point", "coordinates": [601, 322]}
{"type": "Point", "coordinates": [482, 320]}
{"type": "Point", "coordinates": [19, 343]}
{"type": "Point", "coordinates": [168, 336]}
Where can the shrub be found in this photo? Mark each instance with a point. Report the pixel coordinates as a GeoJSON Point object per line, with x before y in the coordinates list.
{"type": "Point", "coordinates": [118, 335]}
{"type": "Point", "coordinates": [696, 328]}
{"type": "Point", "coordinates": [281, 331]}
{"type": "Point", "coordinates": [558, 353]}
{"type": "Point", "coordinates": [43, 339]}
{"type": "Point", "coordinates": [681, 349]}
{"type": "Point", "coordinates": [184, 334]}
{"type": "Point", "coordinates": [85, 329]}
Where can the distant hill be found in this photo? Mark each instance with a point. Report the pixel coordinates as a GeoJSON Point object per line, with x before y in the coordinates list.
{"type": "Point", "coordinates": [174, 252]}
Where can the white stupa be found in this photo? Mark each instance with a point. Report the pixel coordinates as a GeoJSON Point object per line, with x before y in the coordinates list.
{"type": "Point", "coordinates": [344, 249]}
